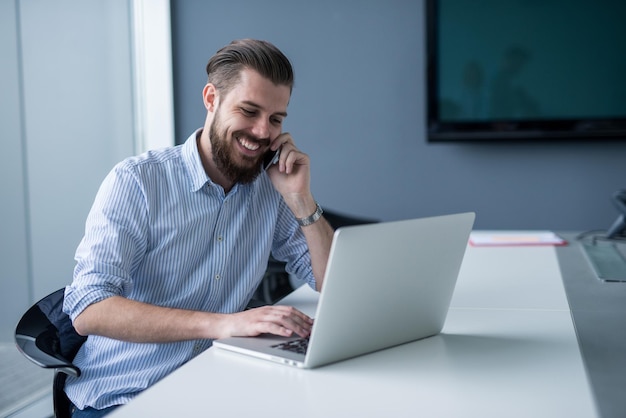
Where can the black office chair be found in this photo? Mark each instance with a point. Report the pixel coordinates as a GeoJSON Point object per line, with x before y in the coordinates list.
{"type": "Point", "coordinates": [338, 219]}
{"type": "Point", "coordinates": [45, 335]}
{"type": "Point", "coordinates": [276, 284]}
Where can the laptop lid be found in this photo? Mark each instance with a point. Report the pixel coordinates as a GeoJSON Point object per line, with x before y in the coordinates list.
{"type": "Point", "coordinates": [386, 284]}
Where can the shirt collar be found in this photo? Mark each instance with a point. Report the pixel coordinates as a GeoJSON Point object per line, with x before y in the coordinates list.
{"type": "Point", "coordinates": [193, 163]}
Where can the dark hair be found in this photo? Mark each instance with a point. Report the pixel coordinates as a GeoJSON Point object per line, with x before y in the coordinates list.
{"type": "Point", "coordinates": [225, 66]}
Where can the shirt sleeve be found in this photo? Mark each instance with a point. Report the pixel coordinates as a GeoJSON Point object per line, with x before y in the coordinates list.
{"type": "Point", "coordinates": [291, 247]}
{"type": "Point", "coordinates": [116, 237]}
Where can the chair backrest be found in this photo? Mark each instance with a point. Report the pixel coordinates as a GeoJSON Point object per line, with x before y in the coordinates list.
{"type": "Point", "coordinates": [46, 336]}
{"type": "Point", "coordinates": [337, 219]}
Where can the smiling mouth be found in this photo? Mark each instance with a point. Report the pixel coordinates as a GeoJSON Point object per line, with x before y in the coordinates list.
{"type": "Point", "coordinates": [248, 144]}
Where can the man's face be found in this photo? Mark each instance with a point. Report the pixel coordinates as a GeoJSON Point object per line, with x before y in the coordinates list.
{"type": "Point", "coordinates": [245, 122]}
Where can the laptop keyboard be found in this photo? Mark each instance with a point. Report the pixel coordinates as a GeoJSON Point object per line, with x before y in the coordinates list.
{"type": "Point", "coordinates": [296, 346]}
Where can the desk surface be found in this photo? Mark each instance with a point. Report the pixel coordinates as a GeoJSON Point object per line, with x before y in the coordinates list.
{"type": "Point", "coordinates": [508, 348]}
{"type": "Point", "coordinates": [599, 312]}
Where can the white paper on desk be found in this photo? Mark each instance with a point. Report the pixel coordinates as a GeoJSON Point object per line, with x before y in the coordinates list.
{"type": "Point", "coordinates": [508, 238]}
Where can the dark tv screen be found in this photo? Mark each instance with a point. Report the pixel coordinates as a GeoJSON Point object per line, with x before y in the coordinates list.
{"type": "Point", "coordinates": [526, 69]}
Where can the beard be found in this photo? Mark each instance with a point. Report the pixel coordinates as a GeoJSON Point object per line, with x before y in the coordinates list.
{"type": "Point", "coordinates": [224, 158]}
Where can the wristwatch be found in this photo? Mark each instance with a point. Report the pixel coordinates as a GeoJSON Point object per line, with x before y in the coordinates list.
{"type": "Point", "coordinates": [313, 218]}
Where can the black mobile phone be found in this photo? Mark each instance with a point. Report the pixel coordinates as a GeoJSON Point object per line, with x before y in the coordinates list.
{"type": "Point", "coordinates": [271, 158]}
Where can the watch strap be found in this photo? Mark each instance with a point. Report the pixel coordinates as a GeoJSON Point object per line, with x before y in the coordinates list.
{"type": "Point", "coordinates": [309, 220]}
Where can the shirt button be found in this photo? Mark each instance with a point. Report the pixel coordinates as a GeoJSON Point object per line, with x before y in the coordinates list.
{"type": "Point", "coordinates": [220, 238]}
{"type": "Point", "coordinates": [217, 277]}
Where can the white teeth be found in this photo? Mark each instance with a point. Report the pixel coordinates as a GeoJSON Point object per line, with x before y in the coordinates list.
{"type": "Point", "coordinates": [252, 146]}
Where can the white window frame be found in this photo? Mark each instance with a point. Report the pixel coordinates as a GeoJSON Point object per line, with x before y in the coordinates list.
{"type": "Point", "coordinates": [153, 100]}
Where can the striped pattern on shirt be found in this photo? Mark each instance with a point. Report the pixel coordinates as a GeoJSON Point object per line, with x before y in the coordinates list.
{"type": "Point", "coordinates": [161, 232]}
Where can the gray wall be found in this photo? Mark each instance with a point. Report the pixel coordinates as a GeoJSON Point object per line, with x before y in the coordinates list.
{"type": "Point", "coordinates": [14, 269]}
{"type": "Point", "coordinates": [358, 109]}
{"type": "Point", "coordinates": [65, 119]}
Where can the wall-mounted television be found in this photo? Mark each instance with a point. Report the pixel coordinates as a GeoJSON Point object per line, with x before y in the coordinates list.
{"type": "Point", "coordinates": [526, 69]}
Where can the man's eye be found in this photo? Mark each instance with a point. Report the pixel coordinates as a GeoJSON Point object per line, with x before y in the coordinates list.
{"type": "Point", "coordinates": [247, 112]}
{"type": "Point", "coordinates": [277, 121]}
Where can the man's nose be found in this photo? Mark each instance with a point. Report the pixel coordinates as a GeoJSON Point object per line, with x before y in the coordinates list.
{"type": "Point", "coordinates": [261, 128]}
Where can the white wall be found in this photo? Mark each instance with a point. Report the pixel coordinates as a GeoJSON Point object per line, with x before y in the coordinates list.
{"type": "Point", "coordinates": [68, 114]}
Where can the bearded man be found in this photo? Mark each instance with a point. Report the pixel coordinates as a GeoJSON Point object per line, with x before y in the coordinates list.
{"type": "Point", "coordinates": [178, 239]}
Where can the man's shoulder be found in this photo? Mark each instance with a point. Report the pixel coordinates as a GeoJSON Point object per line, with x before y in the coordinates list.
{"type": "Point", "coordinates": [156, 156]}
{"type": "Point", "coordinates": [151, 160]}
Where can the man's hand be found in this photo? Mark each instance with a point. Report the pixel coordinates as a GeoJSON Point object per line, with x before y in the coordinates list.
{"type": "Point", "coordinates": [277, 319]}
{"type": "Point", "coordinates": [292, 176]}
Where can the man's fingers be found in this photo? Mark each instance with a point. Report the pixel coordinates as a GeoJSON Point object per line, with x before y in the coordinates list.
{"type": "Point", "coordinates": [285, 320]}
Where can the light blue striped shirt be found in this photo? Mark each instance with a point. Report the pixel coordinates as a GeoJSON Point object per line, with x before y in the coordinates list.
{"type": "Point", "coordinates": [160, 231]}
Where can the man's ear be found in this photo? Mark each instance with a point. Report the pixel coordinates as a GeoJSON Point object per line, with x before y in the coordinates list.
{"type": "Point", "coordinates": [210, 97]}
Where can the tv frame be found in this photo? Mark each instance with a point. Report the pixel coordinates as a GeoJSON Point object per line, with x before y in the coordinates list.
{"type": "Point", "coordinates": [505, 130]}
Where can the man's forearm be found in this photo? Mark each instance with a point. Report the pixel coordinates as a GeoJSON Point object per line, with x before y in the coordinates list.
{"type": "Point", "coordinates": [319, 237]}
{"type": "Point", "coordinates": [124, 319]}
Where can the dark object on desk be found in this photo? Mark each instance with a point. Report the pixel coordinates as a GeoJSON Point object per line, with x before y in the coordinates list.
{"type": "Point", "coordinates": [276, 285]}
{"type": "Point", "coordinates": [619, 226]}
{"type": "Point", "coordinates": [45, 335]}
{"type": "Point", "coordinates": [606, 253]}
{"type": "Point", "coordinates": [607, 259]}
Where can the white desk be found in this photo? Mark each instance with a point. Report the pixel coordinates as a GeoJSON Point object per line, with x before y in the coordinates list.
{"type": "Point", "coordinates": [508, 349]}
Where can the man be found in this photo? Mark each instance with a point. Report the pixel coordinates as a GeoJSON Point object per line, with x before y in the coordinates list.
{"type": "Point", "coordinates": [178, 239]}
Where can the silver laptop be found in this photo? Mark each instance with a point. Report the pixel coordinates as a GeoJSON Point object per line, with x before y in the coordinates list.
{"type": "Point", "coordinates": [386, 284]}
